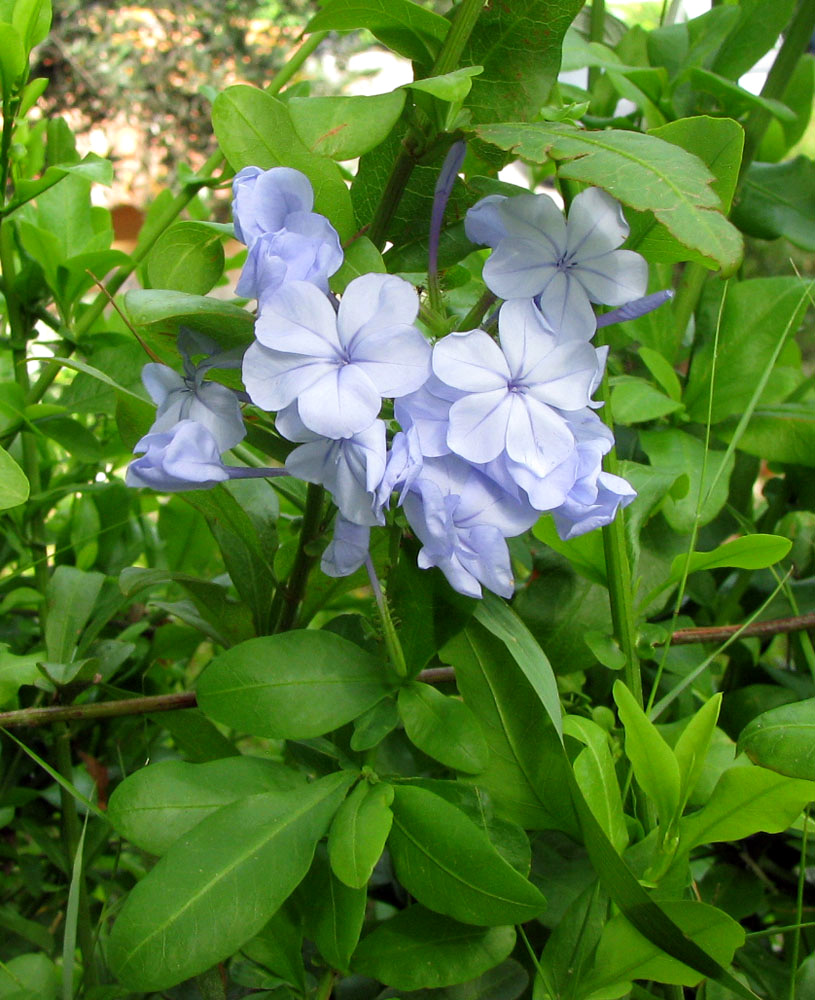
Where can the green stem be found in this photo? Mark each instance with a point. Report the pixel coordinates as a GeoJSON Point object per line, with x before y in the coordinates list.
{"type": "Point", "coordinates": [416, 142]}
{"type": "Point", "coordinates": [476, 314]}
{"type": "Point", "coordinates": [71, 833]}
{"type": "Point", "coordinates": [326, 985]}
{"type": "Point", "coordinates": [392, 643]}
{"type": "Point", "coordinates": [290, 596]}
{"type": "Point", "coordinates": [792, 48]}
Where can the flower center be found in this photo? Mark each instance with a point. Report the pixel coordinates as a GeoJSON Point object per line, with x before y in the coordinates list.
{"type": "Point", "coordinates": [566, 260]}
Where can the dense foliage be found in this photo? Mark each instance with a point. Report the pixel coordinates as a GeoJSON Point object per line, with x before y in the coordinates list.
{"type": "Point", "coordinates": [369, 675]}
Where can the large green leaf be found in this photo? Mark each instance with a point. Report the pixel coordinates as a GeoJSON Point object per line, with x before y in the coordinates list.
{"type": "Point", "coordinates": [419, 949]}
{"type": "Point", "coordinates": [778, 199]}
{"type": "Point", "coordinates": [217, 886]}
{"type": "Point", "coordinates": [759, 24]}
{"type": "Point", "coordinates": [756, 312]}
{"type": "Point", "coordinates": [746, 800]}
{"type": "Point", "coordinates": [449, 864]}
{"type": "Point", "coordinates": [405, 26]}
{"type": "Point", "coordinates": [624, 954]}
{"type": "Point", "coordinates": [518, 44]}
{"type": "Point", "coordinates": [718, 143]}
{"type": "Point", "coordinates": [784, 432]}
{"type": "Point", "coordinates": [642, 171]}
{"type": "Point", "coordinates": [158, 804]}
{"type": "Point", "coordinates": [345, 127]}
{"type": "Point", "coordinates": [187, 257]}
{"type": "Point", "coordinates": [359, 831]}
{"type": "Point", "coordinates": [292, 686]}
{"type": "Point", "coordinates": [524, 776]}
{"type": "Point", "coordinates": [255, 129]}
{"type": "Point", "coordinates": [783, 739]}
{"type": "Point", "coordinates": [443, 727]}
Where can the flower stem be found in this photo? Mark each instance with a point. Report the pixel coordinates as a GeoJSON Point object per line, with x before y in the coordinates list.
{"type": "Point", "coordinates": [290, 596]}
{"type": "Point", "coordinates": [392, 643]}
{"type": "Point", "coordinates": [416, 142]}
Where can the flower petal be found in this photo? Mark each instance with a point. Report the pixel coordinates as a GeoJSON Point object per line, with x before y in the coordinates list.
{"type": "Point", "coordinates": [339, 405]}
{"type": "Point", "coordinates": [472, 362]}
{"type": "Point", "coordinates": [519, 268]}
{"type": "Point", "coordinates": [596, 224]}
{"type": "Point", "coordinates": [478, 425]}
{"type": "Point", "coordinates": [299, 319]}
{"type": "Point", "coordinates": [274, 379]}
{"type": "Point", "coordinates": [396, 360]}
{"type": "Point", "coordinates": [382, 300]}
{"type": "Point", "coordinates": [614, 278]}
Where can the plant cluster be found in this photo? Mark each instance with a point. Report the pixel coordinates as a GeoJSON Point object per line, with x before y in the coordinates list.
{"type": "Point", "coordinates": [413, 602]}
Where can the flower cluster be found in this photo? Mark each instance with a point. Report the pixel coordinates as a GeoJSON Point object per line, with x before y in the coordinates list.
{"type": "Point", "coordinates": [487, 433]}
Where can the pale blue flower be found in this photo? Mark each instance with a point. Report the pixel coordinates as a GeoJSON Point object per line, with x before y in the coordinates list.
{"type": "Point", "coordinates": [337, 366]}
{"type": "Point", "coordinates": [515, 393]}
{"type": "Point", "coordinates": [185, 457]}
{"type": "Point", "coordinates": [264, 199]}
{"type": "Point", "coordinates": [348, 549]}
{"type": "Point", "coordinates": [351, 469]}
{"type": "Point", "coordinates": [462, 519]}
{"type": "Point", "coordinates": [189, 397]}
{"type": "Point", "coordinates": [428, 411]}
{"type": "Point", "coordinates": [564, 267]}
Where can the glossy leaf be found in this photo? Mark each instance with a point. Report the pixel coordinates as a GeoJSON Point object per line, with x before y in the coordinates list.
{"type": "Point", "coordinates": [359, 831]}
{"type": "Point", "coordinates": [343, 128]}
{"type": "Point", "coordinates": [405, 26]}
{"type": "Point", "coordinates": [759, 24]}
{"type": "Point", "coordinates": [451, 87]}
{"type": "Point", "coordinates": [291, 686]}
{"type": "Point", "coordinates": [420, 949]}
{"type": "Point", "coordinates": [783, 739]}
{"type": "Point", "coordinates": [595, 774]}
{"type": "Point", "coordinates": [748, 552]}
{"type": "Point", "coordinates": [655, 766]}
{"type": "Point", "coordinates": [623, 954]}
{"type": "Point", "coordinates": [443, 727]}
{"type": "Point", "coordinates": [187, 257]}
{"type": "Point", "coordinates": [641, 171]}
{"type": "Point", "coordinates": [524, 777]}
{"type": "Point", "coordinates": [214, 889]}
{"type": "Point", "coordinates": [255, 129]}
{"type": "Point", "coordinates": [14, 486]}
{"type": "Point", "coordinates": [635, 401]}
{"type": "Point", "coordinates": [778, 199]}
{"type": "Point", "coordinates": [746, 800]}
{"type": "Point", "coordinates": [445, 861]}
{"type": "Point", "coordinates": [156, 805]}
{"type": "Point", "coordinates": [333, 912]}
{"type": "Point", "coordinates": [518, 44]}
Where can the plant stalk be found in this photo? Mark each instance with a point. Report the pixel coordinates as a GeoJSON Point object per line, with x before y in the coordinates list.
{"type": "Point", "coordinates": [289, 597]}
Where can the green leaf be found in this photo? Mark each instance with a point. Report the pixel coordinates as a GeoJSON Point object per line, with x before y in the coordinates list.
{"type": "Point", "coordinates": [783, 739]}
{"type": "Point", "coordinates": [74, 437]}
{"type": "Point", "coordinates": [374, 725]}
{"type": "Point", "coordinates": [187, 257]}
{"type": "Point", "coordinates": [524, 777]}
{"type": "Point", "coordinates": [443, 728]}
{"type": "Point", "coordinates": [756, 312]}
{"type": "Point", "coordinates": [13, 60]}
{"type": "Point", "coordinates": [242, 546]}
{"type": "Point", "coordinates": [778, 199]}
{"type": "Point", "coordinates": [585, 552]}
{"type": "Point", "coordinates": [675, 451]}
{"type": "Point", "coordinates": [449, 864]}
{"type": "Point", "coordinates": [798, 95]}
{"type": "Point", "coordinates": [279, 947]}
{"type": "Point", "coordinates": [15, 671]}
{"type": "Point", "coordinates": [333, 912]}
{"type": "Point", "coordinates": [91, 167]}
{"type": "Point", "coordinates": [451, 87]}
{"type": "Point", "coordinates": [32, 18]}
{"type": "Point", "coordinates": [158, 804]}
{"type": "Point", "coordinates": [361, 257]}
{"type": "Point", "coordinates": [662, 370]}
{"type": "Point", "coordinates": [518, 44]}
{"type": "Point", "coordinates": [718, 143]}
{"type": "Point", "coordinates": [734, 99]}
{"type": "Point", "coordinates": [409, 29]}
{"type": "Point", "coordinates": [255, 129]}
{"type": "Point", "coordinates": [319, 682]}
{"type": "Point", "coordinates": [635, 401]}
{"type": "Point", "coordinates": [570, 946]}
{"type": "Point", "coordinates": [71, 597]}
{"type": "Point", "coordinates": [746, 800]}
{"type": "Point", "coordinates": [759, 24]}
{"type": "Point", "coordinates": [358, 833]}
{"type": "Point", "coordinates": [748, 552]}
{"type": "Point", "coordinates": [623, 954]}
{"type": "Point", "coordinates": [692, 746]}
{"type": "Point", "coordinates": [28, 977]}
{"type": "Point", "coordinates": [217, 886]}
{"type": "Point", "coordinates": [642, 171]}
{"type": "Point", "coordinates": [420, 949]}
{"type": "Point", "coordinates": [784, 432]}
{"type": "Point", "coordinates": [166, 311]}
{"type": "Point", "coordinates": [14, 486]}
{"type": "Point", "coordinates": [655, 766]}
{"type": "Point", "coordinates": [595, 774]}
{"type": "Point", "coordinates": [343, 128]}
